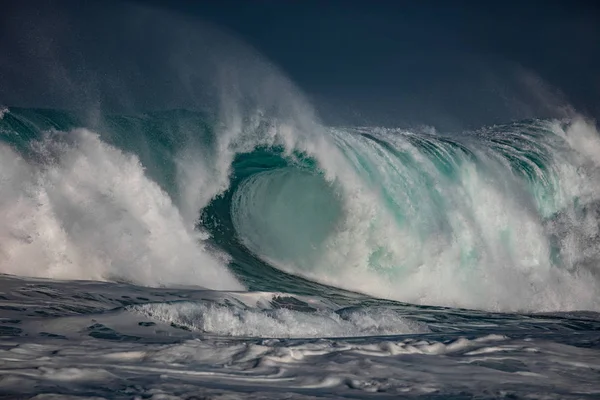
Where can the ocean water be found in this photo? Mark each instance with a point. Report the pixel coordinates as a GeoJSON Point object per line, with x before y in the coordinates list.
{"type": "Point", "coordinates": [169, 255]}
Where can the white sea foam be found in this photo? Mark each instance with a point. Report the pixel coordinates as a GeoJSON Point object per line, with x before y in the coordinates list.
{"type": "Point", "coordinates": [223, 320]}
{"type": "Point", "coordinates": [485, 367]}
{"type": "Point", "coordinates": [86, 210]}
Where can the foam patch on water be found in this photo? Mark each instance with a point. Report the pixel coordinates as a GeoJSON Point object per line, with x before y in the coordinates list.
{"type": "Point", "coordinates": [3, 111]}
{"type": "Point", "coordinates": [490, 366]}
{"type": "Point", "coordinates": [217, 319]}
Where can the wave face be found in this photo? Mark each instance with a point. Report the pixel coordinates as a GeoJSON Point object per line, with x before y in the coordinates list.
{"type": "Point", "coordinates": [502, 218]}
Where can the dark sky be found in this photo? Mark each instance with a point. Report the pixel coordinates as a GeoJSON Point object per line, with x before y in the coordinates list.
{"type": "Point", "coordinates": [443, 63]}
{"type": "Point", "coordinates": [425, 59]}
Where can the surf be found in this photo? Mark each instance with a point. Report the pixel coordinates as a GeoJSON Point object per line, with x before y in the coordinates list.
{"type": "Point", "coordinates": [500, 218]}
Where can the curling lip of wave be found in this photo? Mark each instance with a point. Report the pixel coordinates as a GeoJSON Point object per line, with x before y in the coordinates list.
{"type": "Point", "coordinates": [499, 219]}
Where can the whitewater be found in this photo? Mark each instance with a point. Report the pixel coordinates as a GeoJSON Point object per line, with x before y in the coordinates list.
{"type": "Point", "coordinates": [246, 249]}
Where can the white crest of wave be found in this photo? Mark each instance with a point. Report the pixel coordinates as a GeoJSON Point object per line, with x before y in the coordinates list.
{"type": "Point", "coordinates": [218, 319]}
{"type": "Point", "coordinates": [88, 211]}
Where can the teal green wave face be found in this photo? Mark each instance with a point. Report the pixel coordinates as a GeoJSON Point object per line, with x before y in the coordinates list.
{"type": "Point", "coordinates": [286, 214]}
{"type": "Point", "coordinates": [413, 216]}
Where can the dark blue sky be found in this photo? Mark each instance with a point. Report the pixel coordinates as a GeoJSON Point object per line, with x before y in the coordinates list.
{"type": "Point", "coordinates": [420, 60]}
{"type": "Point", "coordinates": [445, 63]}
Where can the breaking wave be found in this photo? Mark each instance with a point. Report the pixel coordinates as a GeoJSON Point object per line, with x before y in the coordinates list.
{"type": "Point", "coordinates": [501, 218]}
